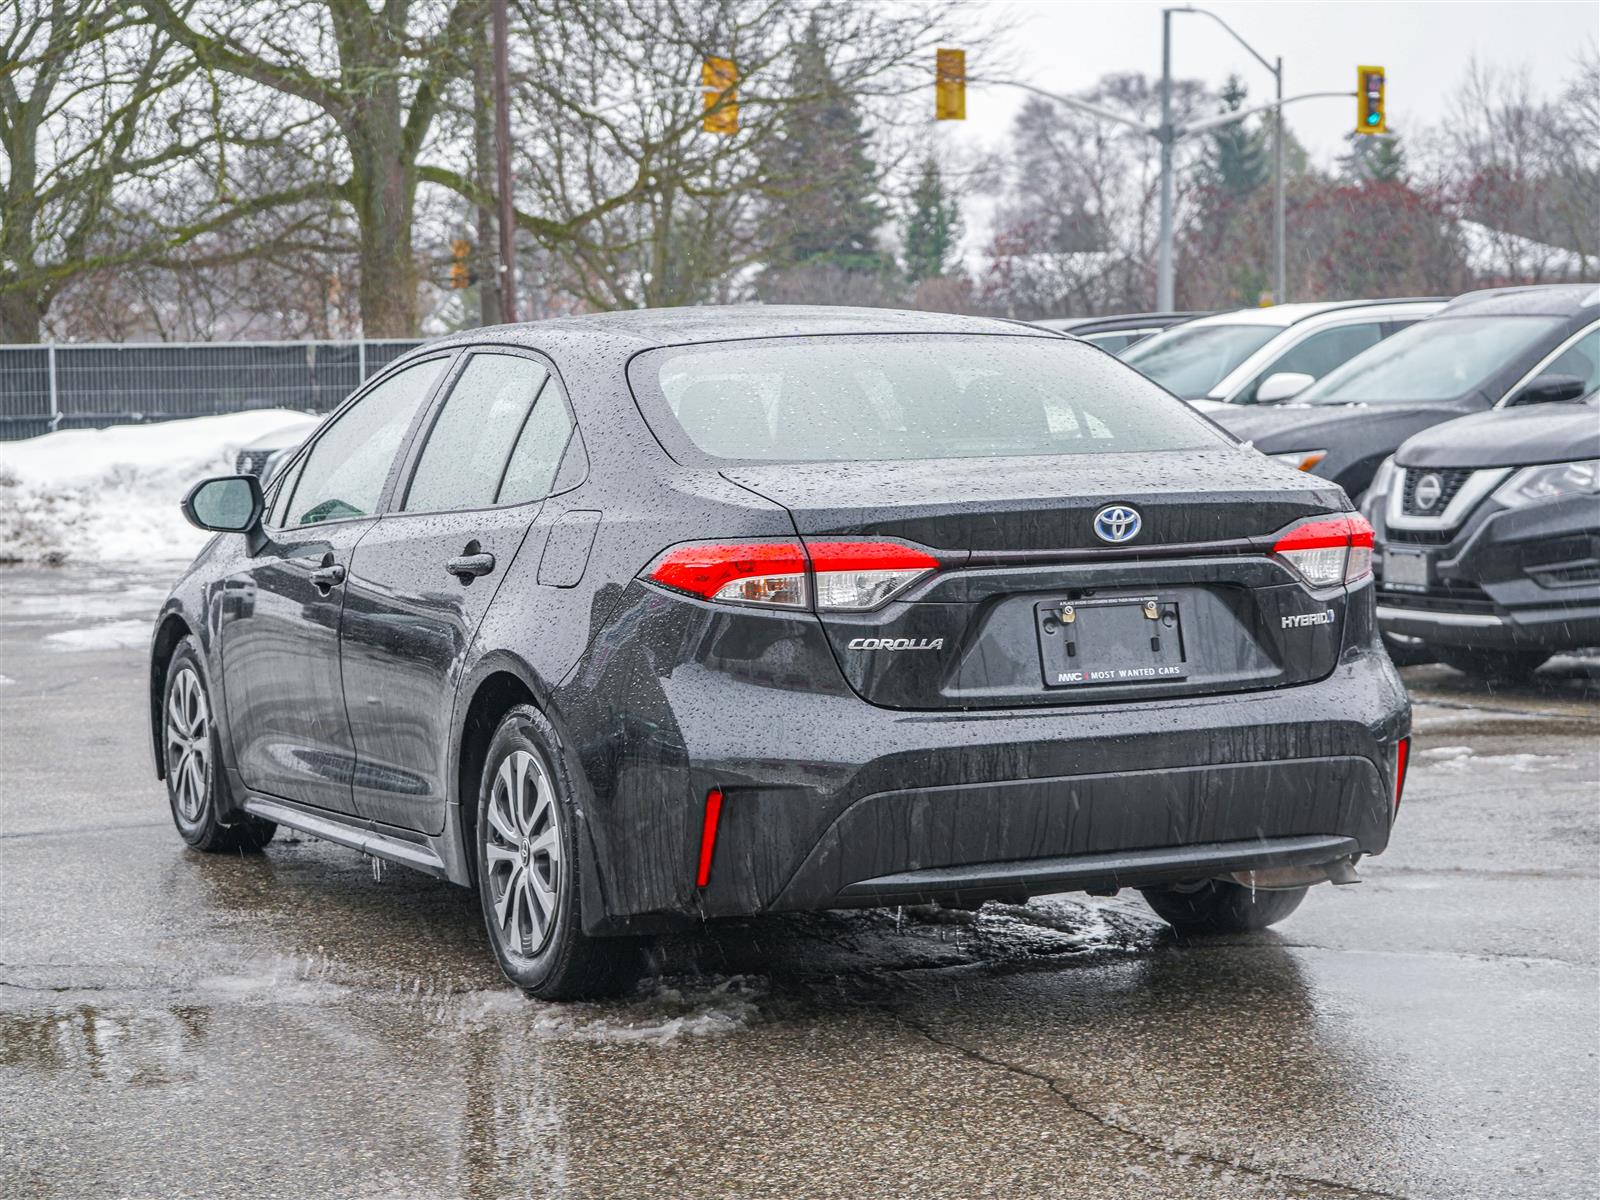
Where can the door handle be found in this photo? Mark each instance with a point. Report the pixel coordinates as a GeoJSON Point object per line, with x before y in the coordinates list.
{"type": "Point", "coordinates": [326, 577]}
{"type": "Point", "coordinates": [467, 567]}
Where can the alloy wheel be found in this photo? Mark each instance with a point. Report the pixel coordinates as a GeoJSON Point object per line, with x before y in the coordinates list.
{"type": "Point", "coordinates": [188, 744]}
{"type": "Point", "coordinates": [522, 849]}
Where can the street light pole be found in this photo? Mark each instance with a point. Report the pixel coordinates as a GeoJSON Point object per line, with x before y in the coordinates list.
{"type": "Point", "coordinates": [1164, 288]}
{"type": "Point", "coordinates": [1280, 287]}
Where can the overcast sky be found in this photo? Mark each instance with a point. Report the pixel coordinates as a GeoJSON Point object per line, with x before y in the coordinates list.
{"type": "Point", "coordinates": [1066, 45]}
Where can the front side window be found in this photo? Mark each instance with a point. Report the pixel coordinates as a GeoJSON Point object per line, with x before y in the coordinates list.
{"type": "Point", "coordinates": [1439, 359]}
{"type": "Point", "coordinates": [912, 397]}
{"type": "Point", "coordinates": [464, 461]}
{"type": "Point", "coordinates": [344, 473]}
{"type": "Point", "coordinates": [1581, 359]}
{"type": "Point", "coordinates": [1190, 362]}
{"type": "Point", "coordinates": [1319, 353]}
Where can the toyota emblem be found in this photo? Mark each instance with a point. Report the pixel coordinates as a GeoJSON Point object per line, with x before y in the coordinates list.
{"type": "Point", "coordinates": [1116, 523]}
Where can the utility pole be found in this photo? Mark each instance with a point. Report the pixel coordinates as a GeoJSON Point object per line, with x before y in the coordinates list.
{"type": "Point", "coordinates": [1164, 134]}
{"type": "Point", "coordinates": [1280, 254]}
{"type": "Point", "coordinates": [502, 156]}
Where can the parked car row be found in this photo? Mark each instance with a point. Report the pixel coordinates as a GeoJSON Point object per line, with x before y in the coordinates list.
{"type": "Point", "coordinates": [1469, 432]}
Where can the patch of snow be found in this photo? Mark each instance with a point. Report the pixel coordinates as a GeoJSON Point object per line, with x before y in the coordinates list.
{"type": "Point", "coordinates": [6, 681]}
{"type": "Point", "coordinates": [1462, 758]}
{"type": "Point", "coordinates": [111, 495]}
{"type": "Point", "coordinates": [113, 635]}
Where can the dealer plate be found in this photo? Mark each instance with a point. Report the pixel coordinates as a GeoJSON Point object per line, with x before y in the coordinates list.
{"type": "Point", "coordinates": [1120, 640]}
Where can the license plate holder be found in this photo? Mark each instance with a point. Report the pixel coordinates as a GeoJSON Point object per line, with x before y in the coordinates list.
{"type": "Point", "coordinates": [1117, 640]}
{"type": "Point", "coordinates": [1406, 570]}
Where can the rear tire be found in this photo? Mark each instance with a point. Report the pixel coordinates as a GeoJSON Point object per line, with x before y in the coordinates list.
{"type": "Point", "coordinates": [528, 869]}
{"type": "Point", "coordinates": [1493, 666]}
{"type": "Point", "coordinates": [1220, 906]}
{"type": "Point", "coordinates": [196, 781]}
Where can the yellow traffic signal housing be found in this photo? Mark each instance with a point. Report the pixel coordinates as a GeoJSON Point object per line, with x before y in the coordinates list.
{"type": "Point", "coordinates": [1371, 116]}
{"type": "Point", "coordinates": [950, 85]}
{"type": "Point", "coordinates": [460, 272]}
{"type": "Point", "coordinates": [720, 78]}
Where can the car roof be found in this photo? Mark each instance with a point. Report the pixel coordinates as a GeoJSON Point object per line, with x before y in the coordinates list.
{"type": "Point", "coordinates": [1079, 325]}
{"type": "Point", "coordinates": [1284, 315]}
{"type": "Point", "coordinates": [647, 327]}
{"type": "Point", "coordinates": [1542, 300]}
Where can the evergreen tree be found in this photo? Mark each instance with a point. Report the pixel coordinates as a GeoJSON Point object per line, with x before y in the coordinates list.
{"type": "Point", "coordinates": [1237, 161]}
{"type": "Point", "coordinates": [822, 180]}
{"type": "Point", "coordinates": [1374, 159]}
{"type": "Point", "coordinates": [931, 227]}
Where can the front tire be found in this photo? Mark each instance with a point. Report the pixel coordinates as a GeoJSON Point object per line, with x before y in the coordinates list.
{"type": "Point", "coordinates": [528, 869]}
{"type": "Point", "coordinates": [195, 778]}
{"type": "Point", "coordinates": [1221, 906]}
{"type": "Point", "coordinates": [1493, 666]}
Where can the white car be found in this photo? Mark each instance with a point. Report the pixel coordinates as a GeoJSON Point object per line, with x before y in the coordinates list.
{"type": "Point", "coordinates": [1268, 355]}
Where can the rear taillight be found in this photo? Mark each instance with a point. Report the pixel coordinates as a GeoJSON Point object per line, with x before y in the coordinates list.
{"type": "Point", "coordinates": [1328, 550]}
{"type": "Point", "coordinates": [857, 576]}
{"type": "Point", "coordinates": [848, 576]}
{"type": "Point", "coordinates": [771, 573]}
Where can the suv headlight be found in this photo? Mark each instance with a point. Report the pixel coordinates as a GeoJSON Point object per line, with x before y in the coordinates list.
{"type": "Point", "coordinates": [1300, 460]}
{"type": "Point", "coordinates": [1550, 482]}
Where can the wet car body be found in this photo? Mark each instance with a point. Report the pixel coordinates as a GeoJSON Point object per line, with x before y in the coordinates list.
{"type": "Point", "coordinates": [1347, 439]}
{"type": "Point", "coordinates": [1469, 555]}
{"type": "Point", "coordinates": [917, 750]}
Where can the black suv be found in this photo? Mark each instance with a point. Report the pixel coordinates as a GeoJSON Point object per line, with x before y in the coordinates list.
{"type": "Point", "coordinates": [1482, 350]}
{"type": "Point", "coordinates": [635, 620]}
{"type": "Point", "coordinates": [1490, 529]}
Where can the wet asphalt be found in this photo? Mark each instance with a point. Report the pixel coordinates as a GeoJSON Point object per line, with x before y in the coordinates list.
{"type": "Point", "coordinates": [293, 1025]}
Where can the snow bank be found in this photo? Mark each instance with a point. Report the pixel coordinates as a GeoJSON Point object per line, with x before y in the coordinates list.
{"type": "Point", "coordinates": [111, 495]}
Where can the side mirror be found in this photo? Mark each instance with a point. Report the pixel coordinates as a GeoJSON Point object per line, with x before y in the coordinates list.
{"type": "Point", "coordinates": [1548, 388]}
{"type": "Point", "coordinates": [1282, 385]}
{"type": "Point", "coordinates": [225, 504]}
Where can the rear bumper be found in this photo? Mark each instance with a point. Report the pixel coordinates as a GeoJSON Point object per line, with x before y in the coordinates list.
{"type": "Point", "coordinates": [830, 802]}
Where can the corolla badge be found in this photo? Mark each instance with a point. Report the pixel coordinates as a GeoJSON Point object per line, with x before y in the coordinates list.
{"type": "Point", "coordinates": [1429, 489]}
{"type": "Point", "coordinates": [1116, 523]}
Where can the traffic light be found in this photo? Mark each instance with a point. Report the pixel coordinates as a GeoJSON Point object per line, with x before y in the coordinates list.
{"type": "Point", "coordinates": [460, 271]}
{"type": "Point", "coordinates": [719, 77]}
{"type": "Point", "coordinates": [1371, 117]}
{"type": "Point", "coordinates": [950, 85]}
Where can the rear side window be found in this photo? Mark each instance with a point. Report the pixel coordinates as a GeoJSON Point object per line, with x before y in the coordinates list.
{"type": "Point", "coordinates": [344, 472]}
{"type": "Point", "coordinates": [497, 439]}
{"type": "Point", "coordinates": [906, 397]}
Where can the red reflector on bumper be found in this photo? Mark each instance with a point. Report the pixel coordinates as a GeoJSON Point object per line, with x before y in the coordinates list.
{"type": "Point", "coordinates": [708, 836]}
{"type": "Point", "coordinates": [1402, 752]}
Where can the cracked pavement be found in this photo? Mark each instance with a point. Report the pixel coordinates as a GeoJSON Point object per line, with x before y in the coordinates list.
{"type": "Point", "coordinates": [292, 1025]}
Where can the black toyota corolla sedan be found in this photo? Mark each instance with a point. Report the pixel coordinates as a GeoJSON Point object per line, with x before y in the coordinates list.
{"type": "Point", "coordinates": [1490, 535]}
{"type": "Point", "coordinates": [636, 620]}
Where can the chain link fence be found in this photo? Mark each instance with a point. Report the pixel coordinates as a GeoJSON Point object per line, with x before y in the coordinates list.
{"type": "Point", "coordinates": [97, 384]}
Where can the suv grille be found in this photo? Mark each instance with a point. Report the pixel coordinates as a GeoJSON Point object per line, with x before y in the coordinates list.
{"type": "Point", "coordinates": [1450, 481]}
{"type": "Point", "coordinates": [251, 462]}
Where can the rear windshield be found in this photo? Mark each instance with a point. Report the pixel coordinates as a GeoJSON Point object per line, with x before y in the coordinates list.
{"type": "Point", "coordinates": [834, 399]}
{"type": "Point", "coordinates": [1432, 360]}
{"type": "Point", "coordinates": [1192, 361]}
